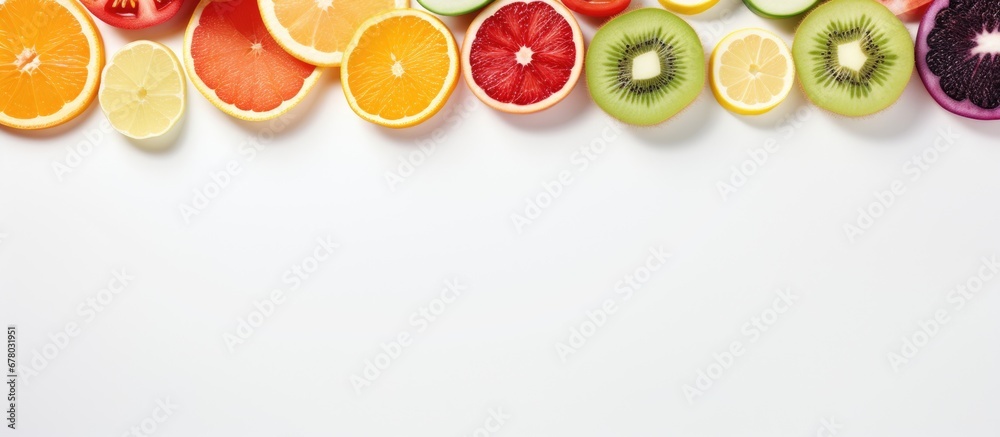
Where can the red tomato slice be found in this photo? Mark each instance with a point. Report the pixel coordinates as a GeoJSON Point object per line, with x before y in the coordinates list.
{"type": "Point", "coordinates": [597, 8]}
{"type": "Point", "coordinates": [133, 14]}
{"type": "Point", "coordinates": [907, 9]}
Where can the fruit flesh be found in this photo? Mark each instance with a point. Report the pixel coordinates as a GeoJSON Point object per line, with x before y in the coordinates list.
{"type": "Point", "coordinates": [318, 31]}
{"type": "Point", "coordinates": [400, 69]}
{"type": "Point", "coordinates": [453, 7]}
{"type": "Point", "coordinates": [904, 7]}
{"type": "Point", "coordinates": [142, 90]}
{"type": "Point", "coordinates": [752, 71]}
{"type": "Point", "coordinates": [853, 57]}
{"type": "Point", "coordinates": [597, 8]}
{"type": "Point", "coordinates": [958, 57]}
{"type": "Point", "coordinates": [49, 66]}
{"type": "Point", "coordinates": [688, 7]}
{"type": "Point", "coordinates": [645, 66]}
{"type": "Point", "coordinates": [239, 62]}
{"type": "Point", "coordinates": [524, 53]}
{"type": "Point", "coordinates": [133, 14]}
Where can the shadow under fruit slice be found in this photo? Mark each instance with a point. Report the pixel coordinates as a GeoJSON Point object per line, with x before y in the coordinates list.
{"type": "Point", "coordinates": [958, 57]}
{"type": "Point", "coordinates": [318, 31]}
{"type": "Point", "coordinates": [523, 56]}
{"type": "Point", "coordinates": [400, 68]}
{"type": "Point", "coordinates": [645, 66]}
{"type": "Point", "coordinates": [133, 14]}
{"type": "Point", "coordinates": [51, 57]}
{"type": "Point", "coordinates": [853, 57]}
{"type": "Point", "coordinates": [233, 61]}
{"type": "Point", "coordinates": [142, 90]}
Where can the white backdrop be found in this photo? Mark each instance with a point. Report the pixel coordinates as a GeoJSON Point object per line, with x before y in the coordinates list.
{"type": "Point", "coordinates": [327, 209]}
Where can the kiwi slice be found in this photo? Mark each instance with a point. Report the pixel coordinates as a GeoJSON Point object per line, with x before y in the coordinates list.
{"type": "Point", "coordinates": [453, 7]}
{"type": "Point", "coordinates": [645, 66]}
{"type": "Point", "coordinates": [854, 57]}
{"type": "Point", "coordinates": [779, 8]}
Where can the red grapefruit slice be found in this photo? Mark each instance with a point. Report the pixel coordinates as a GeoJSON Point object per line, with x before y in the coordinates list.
{"type": "Point", "coordinates": [523, 56]}
{"type": "Point", "coordinates": [236, 64]}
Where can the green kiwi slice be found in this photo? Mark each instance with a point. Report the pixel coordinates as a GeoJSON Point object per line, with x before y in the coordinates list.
{"type": "Point", "coordinates": [645, 66]}
{"type": "Point", "coordinates": [779, 8]}
{"type": "Point", "coordinates": [854, 57]}
{"type": "Point", "coordinates": [452, 7]}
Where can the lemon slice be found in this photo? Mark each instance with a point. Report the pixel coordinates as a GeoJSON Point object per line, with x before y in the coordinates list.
{"type": "Point", "coordinates": [688, 7]}
{"type": "Point", "coordinates": [751, 71]}
{"type": "Point", "coordinates": [142, 90]}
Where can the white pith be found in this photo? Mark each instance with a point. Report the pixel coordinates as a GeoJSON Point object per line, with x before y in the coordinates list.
{"type": "Point", "coordinates": [28, 61]}
{"type": "Point", "coordinates": [851, 55]}
{"type": "Point", "coordinates": [646, 66]}
{"type": "Point", "coordinates": [397, 67]}
{"type": "Point", "coordinates": [987, 43]}
{"type": "Point", "coordinates": [524, 55]}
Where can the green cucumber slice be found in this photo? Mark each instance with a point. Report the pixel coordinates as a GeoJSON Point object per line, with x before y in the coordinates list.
{"type": "Point", "coordinates": [778, 8]}
{"type": "Point", "coordinates": [453, 7]}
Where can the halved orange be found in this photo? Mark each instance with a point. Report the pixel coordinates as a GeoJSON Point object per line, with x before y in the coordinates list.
{"type": "Point", "coordinates": [400, 68]}
{"type": "Point", "coordinates": [51, 57]}
{"type": "Point", "coordinates": [236, 64]}
{"type": "Point", "coordinates": [318, 31]}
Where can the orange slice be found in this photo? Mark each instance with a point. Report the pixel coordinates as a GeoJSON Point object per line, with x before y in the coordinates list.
{"type": "Point", "coordinates": [318, 31]}
{"type": "Point", "coordinates": [400, 68]}
{"type": "Point", "coordinates": [238, 66]}
{"type": "Point", "coordinates": [51, 57]}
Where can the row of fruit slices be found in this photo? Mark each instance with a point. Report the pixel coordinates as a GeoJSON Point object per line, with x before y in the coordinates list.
{"type": "Point", "coordinates": [256, 60]}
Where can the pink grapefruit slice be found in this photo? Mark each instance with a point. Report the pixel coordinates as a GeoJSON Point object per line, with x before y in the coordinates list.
{"type": "Point", "coordinates": [236, 64]}
{"type": "Point", "coordinates": [523, 56]}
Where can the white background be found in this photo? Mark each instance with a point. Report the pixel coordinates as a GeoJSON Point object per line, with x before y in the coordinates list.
{"type": "Point", "coordinates": [495, 346]}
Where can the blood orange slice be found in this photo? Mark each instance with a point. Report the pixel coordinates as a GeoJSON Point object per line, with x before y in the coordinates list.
{"type": "Point", "coordinates": [523, 56]}
{"type": "Point", "coordinates": [958, 57]}
{"type": "Point", "coordinates": [236, 64]}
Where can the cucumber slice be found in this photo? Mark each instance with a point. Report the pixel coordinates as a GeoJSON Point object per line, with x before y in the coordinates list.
{"type": "Point", "coordinates": [453, 7]}
{"type": "Point", "coordinates": [779, 8]}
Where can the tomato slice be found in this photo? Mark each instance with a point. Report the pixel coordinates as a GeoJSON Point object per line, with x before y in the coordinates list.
{"type": "Point", "coordinates": [133, 14]}
{"type": "Point", "coordinates": [907, 9]}
{"type": "Point", "coordinates": [597, 8]}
